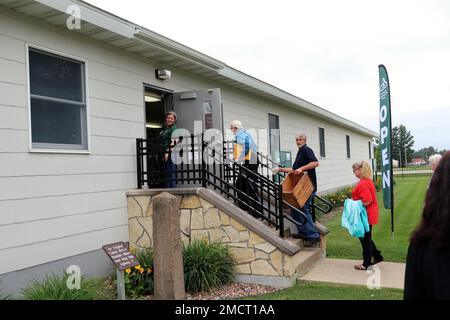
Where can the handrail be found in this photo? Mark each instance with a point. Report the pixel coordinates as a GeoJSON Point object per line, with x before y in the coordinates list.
{"type": "Point", "coordinates": [282, 175]}
{"type": "Point", "coordinates": [325, 211]}
{"type": "Point", "coordinates": [222, 175]}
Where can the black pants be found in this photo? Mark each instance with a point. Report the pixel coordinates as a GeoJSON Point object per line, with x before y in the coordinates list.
{"type": "Point", "coordinates": [369, 249]}
{"type": "Point", "coordinates": [247, 183]}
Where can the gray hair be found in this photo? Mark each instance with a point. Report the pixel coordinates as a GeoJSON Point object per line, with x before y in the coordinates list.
{"type": "Point", "coordinates": [171, 113]}
{"type": "Point", "coordinates": [301, 135]}
{"type": "Point", "coordinates": [435, 158]}
{"type": "Point", "coordinates": [236, 124]}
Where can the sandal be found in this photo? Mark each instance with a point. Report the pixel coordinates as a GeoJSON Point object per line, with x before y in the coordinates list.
{"type": "Point", "coordinates": [360, 267]}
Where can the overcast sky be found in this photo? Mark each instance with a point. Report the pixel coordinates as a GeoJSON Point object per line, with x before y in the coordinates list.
{"type": "Point", "coordinates": [324, 51]}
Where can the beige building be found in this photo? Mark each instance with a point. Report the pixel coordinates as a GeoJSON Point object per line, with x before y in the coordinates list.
{"type": "Point", "coordinates": [73, 102]}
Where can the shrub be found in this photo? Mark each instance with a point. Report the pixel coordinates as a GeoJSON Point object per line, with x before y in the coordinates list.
{"type": "Point", "coordinates": [54, 287]}
{"type": "Point", "coordinates": [206, 266]}
{"type": "Point", "coordinates": [139, 280]}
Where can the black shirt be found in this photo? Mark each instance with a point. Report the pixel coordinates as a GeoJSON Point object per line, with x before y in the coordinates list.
{"type": "Point", "coordinates": [305, 155]}
{"type": "Point", "coordinates": [427, 274]}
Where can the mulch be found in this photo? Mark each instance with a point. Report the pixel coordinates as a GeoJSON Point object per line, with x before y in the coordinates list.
{"type": "Point", "coordinates": [232, 291]}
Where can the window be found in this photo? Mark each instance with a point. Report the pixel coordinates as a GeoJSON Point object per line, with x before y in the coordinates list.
{"type": "Point", "coordinates": [58, 102]}
{"type": "Point", "coordinates": [347, 142]}
{"type": "Point", "coordinates": [322, 142]}
{"type": "Point", "coordinates": [274, 137]}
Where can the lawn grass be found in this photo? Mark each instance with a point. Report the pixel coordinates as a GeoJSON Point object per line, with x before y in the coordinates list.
{"type": "Point", "coordinates": [409, 195]}
{"type": "Point", "coordinates": [330, 291]}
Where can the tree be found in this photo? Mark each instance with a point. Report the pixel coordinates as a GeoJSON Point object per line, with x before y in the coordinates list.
{"type": "Point", "coordinates": [424, 153]}
{"type": "Point", "coordinates": [402, 142]}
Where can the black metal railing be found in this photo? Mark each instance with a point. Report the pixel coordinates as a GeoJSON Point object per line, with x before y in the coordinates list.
{"type": "Point", "coordinates": [318, 203]}
{"type": "Point", "coordinates": [211, 165]}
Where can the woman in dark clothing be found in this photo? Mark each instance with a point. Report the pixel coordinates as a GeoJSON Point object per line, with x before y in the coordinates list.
{"type": "Point", "coordinates": [428, 262]}
{"type": "Point", "coordinates": [167, 143]}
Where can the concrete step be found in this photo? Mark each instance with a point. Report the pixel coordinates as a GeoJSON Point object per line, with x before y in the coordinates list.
{"type": "Point", "coordinates": [306, 259]}
{"type": "Point", "coordinates": [297, 242]}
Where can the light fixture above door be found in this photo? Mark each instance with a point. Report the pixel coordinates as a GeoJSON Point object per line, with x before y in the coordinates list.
{"type": "Point", "coordinates": [163, 74]}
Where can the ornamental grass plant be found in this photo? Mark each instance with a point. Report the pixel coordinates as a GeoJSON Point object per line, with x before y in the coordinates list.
{"type": "Point", "coordinates": [206, 266]}
{"type": "Point", "coordinates": [57, 287]}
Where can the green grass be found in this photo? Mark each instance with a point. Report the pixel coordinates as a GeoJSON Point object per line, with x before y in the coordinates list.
{"type": "Point", "coordinates": [330, 291]}
{"type": "Point", "coordinates": [409, 195]}
{"type": "Point", "coordinates": [54, 287]}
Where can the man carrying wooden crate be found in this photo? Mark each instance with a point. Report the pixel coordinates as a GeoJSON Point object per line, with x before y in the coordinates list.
{"type": "Point", "coordinates": [305, 161]}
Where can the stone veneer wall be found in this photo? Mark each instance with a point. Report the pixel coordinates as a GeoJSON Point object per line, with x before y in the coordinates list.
{"type": "Point", "coordinates": [202, 220]}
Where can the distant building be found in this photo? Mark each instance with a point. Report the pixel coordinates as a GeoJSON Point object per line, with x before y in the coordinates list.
{"type": "Point", "coordinates": [395, 163]}
{"type": "Point", "coordinates": [418, 162]}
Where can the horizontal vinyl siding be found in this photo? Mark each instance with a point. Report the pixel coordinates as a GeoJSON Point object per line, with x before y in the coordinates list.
{"type": "Point", "coordinates": [35, 164]}
{"type": "Point", "coordinates": [12, 117]}
{"type": "Point", "coordinates": [54, 249]}
{"type": "Point", "coordinates": [13, 140]}
{"type": "Point", "coordinates": [334, 170]}
{"type": "Point", "coordinates": [60, 204]}
{"type": "Point", "coordinates": [26, 187]}
{"type": "Point", "coordinates": [52, 207]}
{"type": "Point", "coordinates": [14, 95]}
{"type": "Point", "coordinates": [13, 72]}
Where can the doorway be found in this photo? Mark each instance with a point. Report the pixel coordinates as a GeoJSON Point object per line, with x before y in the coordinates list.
{"type": "Point", "coordinates": [157, 103]}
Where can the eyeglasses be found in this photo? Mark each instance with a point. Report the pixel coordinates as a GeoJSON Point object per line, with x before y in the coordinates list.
{"type": "Point", "coordinates": [356, 169]}
{"type": "Point", "coordinates": [299, 139]}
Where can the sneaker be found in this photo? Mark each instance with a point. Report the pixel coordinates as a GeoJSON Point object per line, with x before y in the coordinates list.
{"type": "Point", "coordinates": [311, 243]}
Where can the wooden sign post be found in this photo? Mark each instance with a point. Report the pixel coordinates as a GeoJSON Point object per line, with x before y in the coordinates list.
{"type": "Point", "coordinates": [123, 259]}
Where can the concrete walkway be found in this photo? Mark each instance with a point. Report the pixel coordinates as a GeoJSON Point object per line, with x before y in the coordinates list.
{"type": "Point", "coordinates": [383, 275]}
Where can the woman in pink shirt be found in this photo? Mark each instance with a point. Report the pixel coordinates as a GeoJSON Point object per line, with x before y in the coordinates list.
{"type": "Point", "coordinates": [365, 191]}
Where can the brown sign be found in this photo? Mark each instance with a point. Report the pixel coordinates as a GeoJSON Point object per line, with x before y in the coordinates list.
{"type": "Point", "coordinates": [120, 256]}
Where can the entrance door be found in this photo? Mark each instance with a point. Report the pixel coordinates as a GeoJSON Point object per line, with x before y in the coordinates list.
{"type": "Point", "coordinates": [157, 103]}
{"type": "Point", "coordinates": [199, 110]}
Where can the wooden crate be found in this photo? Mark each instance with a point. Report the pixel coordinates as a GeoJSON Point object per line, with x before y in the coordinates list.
{"type": "Point", "coordinates": [297, 188]}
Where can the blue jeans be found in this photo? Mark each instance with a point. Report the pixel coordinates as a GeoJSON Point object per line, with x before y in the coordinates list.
{"type": "Point", "coordinates": [308, 231]}
{"type": "Point", "coordinates": [171, 174]}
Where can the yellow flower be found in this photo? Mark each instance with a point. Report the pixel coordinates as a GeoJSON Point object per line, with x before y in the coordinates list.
{"type": "Point", "coordinates": [128, 270]}
{"type": "Point", "coordinates": [141, 270]}
{"type": "Point", "coordinates": [137, 267]}
{"type": "Point", "coordinates": [149, 270]}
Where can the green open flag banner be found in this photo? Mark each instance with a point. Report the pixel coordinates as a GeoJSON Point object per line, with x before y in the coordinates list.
{"type": "Point", "coordinates": [387, 177]}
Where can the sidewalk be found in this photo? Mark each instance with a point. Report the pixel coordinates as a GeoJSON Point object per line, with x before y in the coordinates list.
{"type": "Point", "coordinates": [384, 274]}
